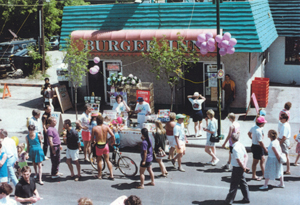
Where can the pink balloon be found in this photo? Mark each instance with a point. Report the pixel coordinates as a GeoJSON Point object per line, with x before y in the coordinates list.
{"type": "Point", "coordinates": [93, 70]}
{"type": "Point", "coordinates": [96, 67]}
{"type": "Point", "coordinates": [227, 36]}
{"type": "Point", "coordinates": [201, 37]}
{"type": "Point", "coordinates": [222, 51]}
{"type": "Point", "coordinates": [232, 42]}
{"type": "Point", "coordinates": [204, 45]}
{"type": "Point", "coordinates": [96, 60]}
{"type": "Point", "coordinates": [225, 43]}
{"type": "Point", "coordinates": [203, 51]}
{"type": "Point", "coordinates": [198, 44]}
{"type": "Point", "coordinates": [211, 48]}
{"type": "Point", "coordinates": [219, 38]}
{"type": "Point", "coordinates": [211, 42]}
{"type": "Point", "coordinates": [219, 45]}
{"type": "Point", "coordinates": [120, 120]}
{"type": "Point", "coordinates": [209, 35]}
{"type": "Point", "coordinates": [230, 50]}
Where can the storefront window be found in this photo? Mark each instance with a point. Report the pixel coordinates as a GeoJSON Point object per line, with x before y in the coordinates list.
{"type": "Point", "coordinates": [292, 51]}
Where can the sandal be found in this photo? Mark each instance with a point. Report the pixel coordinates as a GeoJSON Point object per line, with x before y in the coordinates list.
{"type": "Point", "coordinates": [257, 179]}
{"type": "Point", "coordinates": [111, 178]}
{"type": "Point", "coordinates": [41, 183]}
{"type": "Point", "coordinates": [77, 178]}
{"type": "Point", "coordinates": [140, 187]}
{"type": "Point", "coordinates": [287, 173]}
{"type": "Point", "coordinates": [150, 184]}
{"type": "Point", "coordinates": [96, 177]}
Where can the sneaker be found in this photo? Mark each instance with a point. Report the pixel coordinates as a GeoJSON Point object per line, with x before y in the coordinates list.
{"type": "Point", "coordinates": [280, 186]}
{"type": "Point", "coordinates": [226, 166]}
{"type": "Point", "coordinates": [59, 174]}
{"type": "Point", "coordinates": [180, 169]}
{"type": "Point", "coordinates": [263, 187]}
{"type": "Point", "coordinates": [210, 162]}
{"type": "Point", "coordinates": [46, 158]}
{"type": "Point", "coordinates": [215, 162]}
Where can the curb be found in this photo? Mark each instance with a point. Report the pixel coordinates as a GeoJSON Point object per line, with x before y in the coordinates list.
{"type": "Point", "coordinates": [23, 84]}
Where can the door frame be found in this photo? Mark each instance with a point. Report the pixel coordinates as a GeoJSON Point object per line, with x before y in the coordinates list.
{"type": "Point", "coordinates": [104, 74]}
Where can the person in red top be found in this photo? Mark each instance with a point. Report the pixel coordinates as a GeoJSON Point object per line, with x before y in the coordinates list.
{"type": "Point", "coordinates": [229, 87]}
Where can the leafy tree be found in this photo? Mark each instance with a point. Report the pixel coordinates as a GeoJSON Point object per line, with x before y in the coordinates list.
{"type": "Point", "coordinates": [77, 57]}
{"type": "Point", "coordinates": [169, 64]}
{"type": "Point", "coordinates": [12, 17]}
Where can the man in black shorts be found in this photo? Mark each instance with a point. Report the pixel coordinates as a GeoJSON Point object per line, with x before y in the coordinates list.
{"type": "Point", "coordinates": [45, 117]}
{"type": "Point", "coordinates": [198, 115]}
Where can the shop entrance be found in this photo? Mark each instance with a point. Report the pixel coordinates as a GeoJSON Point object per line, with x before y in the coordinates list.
{"type": "Point", "coordinates": [96, 81]}
{"type": "Point", "coordinates": [195, 74]}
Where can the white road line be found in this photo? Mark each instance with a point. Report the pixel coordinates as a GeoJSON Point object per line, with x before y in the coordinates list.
{"type": "Point", "coordinates": [197, 185]}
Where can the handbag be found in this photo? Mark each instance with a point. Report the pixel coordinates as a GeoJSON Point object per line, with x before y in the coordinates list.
{"type": "Point", "coordinates": [161, 152]}
{"type": "Point", "coordinates": [214, 138]}
{"type": "Point", "coordinates": [282, 158]}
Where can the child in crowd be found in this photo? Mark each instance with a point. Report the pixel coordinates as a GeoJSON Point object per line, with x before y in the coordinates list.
{"type": "Point", "coordinates": [117, 140]}
{"type": "Point", "coordinates": [297, 149]}
{"type": "Point", "coordinates": [93, 121]}
{"type": "Point", "coordinates": [22, 157]}
{"type": "Point", "coordinates": [3, 167]}
{"type": "Point", "coordinates": [78, 129]}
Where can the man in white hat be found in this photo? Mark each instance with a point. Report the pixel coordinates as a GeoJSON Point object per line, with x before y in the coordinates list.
{"type": "Point", "coordinates": [180, 140]}
{"type": "Point", "coordinates": [197, 101]}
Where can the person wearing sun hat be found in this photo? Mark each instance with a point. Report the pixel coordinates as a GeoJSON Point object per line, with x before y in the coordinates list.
{"type": "Point", "coordinates": [258, 148]}
{"type": "Point", "coordinates": [142, 109]}
{"type": "Point", "coordinates": [197, 101]}
{"type": "Point", "coordinates": [180, 140]}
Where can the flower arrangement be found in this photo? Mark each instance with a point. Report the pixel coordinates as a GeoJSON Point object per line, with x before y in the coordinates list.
{"type": "Point", "coordinates": [116, 79]}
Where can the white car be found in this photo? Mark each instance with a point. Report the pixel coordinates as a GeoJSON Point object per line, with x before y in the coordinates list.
{"type": "Point", "coordinates": [61, 72]}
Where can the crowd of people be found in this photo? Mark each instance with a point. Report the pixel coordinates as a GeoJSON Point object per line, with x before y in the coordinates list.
{"type": "Point", "coordinates": [98, 137]}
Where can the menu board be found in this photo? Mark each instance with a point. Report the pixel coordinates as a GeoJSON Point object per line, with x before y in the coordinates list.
{"type": "Point", "coordinates": [214, 93]}
{"type": "Point", "coordinates": [63, 98]}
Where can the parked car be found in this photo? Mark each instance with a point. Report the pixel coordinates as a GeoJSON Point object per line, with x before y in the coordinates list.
{"type": "Point", "coordinates": [54, 42]}
{"type": "Point", "coordinates": [61, 72]}
{"type": "Point", "coordinates": [9, 49]}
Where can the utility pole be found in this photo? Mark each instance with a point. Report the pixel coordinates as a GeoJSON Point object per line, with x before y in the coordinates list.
{"type": "Point", "coordinates": [41, 35]}
{"type": "Point", "coordinates": [217, 2]}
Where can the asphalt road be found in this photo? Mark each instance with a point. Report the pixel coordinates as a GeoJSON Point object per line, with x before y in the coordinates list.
{"type": "Point", "coordinates": [200, 184]}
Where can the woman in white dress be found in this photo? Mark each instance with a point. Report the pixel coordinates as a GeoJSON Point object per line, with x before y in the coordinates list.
{"type": "Point", "coordinates": [120, 105]}
{"type": "Point", "coordinates": [274, 168]}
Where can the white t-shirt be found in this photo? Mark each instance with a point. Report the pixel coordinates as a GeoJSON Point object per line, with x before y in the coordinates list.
{"type": "Point", "coordinates": [178, 130]}
{"type": "Point", "coordinates": [212, 126]}
{"type": "Point", "coordinates": [256, 134]}
{"type": "Point", "coordinates": [238, 152]}
{"type": "Point", "coordinates": [285, 131]}
{"type": "Point", "coordinates": [196, 103]}
{"type": "Point", "coordinates": [145, 108]}
{"type": "Point", "coordinates": [9, 147]}
{"type": "Point", "coordinates": [8, 201]}
{"type": "Point", "coordinates": [37, 124]}
{"type": "Point", "coordinates": [276, 144]}
{"type": "Point", "coordinates": [119, 107]}
{"type": "Point", "coordinates": [85, 121]}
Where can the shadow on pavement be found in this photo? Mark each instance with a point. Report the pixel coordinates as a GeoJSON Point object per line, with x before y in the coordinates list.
{"type": "Point", "coordinates": [256, 187]}
{"type": "Point", "coordinates": [286, 179]}
{"type": "Point", "coordinates": [193, 164]}
{"type": "Point", "coordinates": [226, 179]}
{"type": "Point", "coordinates": [215, 170]}
{"type": "Point", "coordinates": [125, 186]}
{"type": "Point", "coordinates": [209, 202]}
{"type": "Point", "coordinates": [34, 103]}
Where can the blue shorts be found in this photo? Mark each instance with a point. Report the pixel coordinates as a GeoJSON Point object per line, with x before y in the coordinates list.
{"type": "Point", "coordinates": [198, 116]}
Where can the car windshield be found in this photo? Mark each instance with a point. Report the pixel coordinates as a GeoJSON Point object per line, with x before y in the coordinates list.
{"type": "Point", "coordinates": [6, 49]}
{"type": "Point", "coordinates": [54, 38]}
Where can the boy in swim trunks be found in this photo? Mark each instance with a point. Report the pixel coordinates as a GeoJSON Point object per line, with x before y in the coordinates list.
{"type": "Point", "coordinates": [100, 132]}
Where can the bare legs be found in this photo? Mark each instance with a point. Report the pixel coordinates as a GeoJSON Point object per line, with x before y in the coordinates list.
{"type": "Point", "coordinates": [212, 152]}
{"type": "Point", "coordinates": [296, 161]}
{"type": "Point", "coordinates": [162, 167]}
{"type": "Point", "coordinates": [262, 167]}
{"type": "Point", "coordinates": [142, 176]}
{"type": "Point", "coordinates": [69, 162]}
{"type": "Point", "coordinates": [86, 149]}
{"type": "Point", "coordinates": [199, 127]}
{"type": "Point", "coordinates": [178, 157]}
{"type": "Point", "coordinates": [171, 152]}
{"type": "Point", "coordinates": [287, 163]}
{"type": "Point", "coordinates": [109, 165]}
{"type": "Point", "coordinates": [39, 165]}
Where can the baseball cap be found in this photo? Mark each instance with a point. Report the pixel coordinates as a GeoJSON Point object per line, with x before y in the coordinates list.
{"type": "Point", "coordinates": [196, 94]}
{"type": "Point", "coordinates": [94, 114]}
{"type": "Point", "coordinates": [261, 119]}
{"type": "Point", "coordinates": [262, 113]}
{"type": "Point", "coordinates": [140, 99]}
{"type": "Point", "coordinates": [178, 116]}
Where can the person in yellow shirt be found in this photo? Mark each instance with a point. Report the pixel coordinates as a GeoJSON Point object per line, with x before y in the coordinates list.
{"type": "Point", "coordinates": [229, 87]}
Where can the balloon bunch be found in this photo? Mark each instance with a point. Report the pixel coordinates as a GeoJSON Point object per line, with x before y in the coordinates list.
{"type": "Point", "coordinates": [95, 69]}
{"type": "Point", "coordinates": [226, 43]}
{"type": "Point", "coordinates": [206, 43]}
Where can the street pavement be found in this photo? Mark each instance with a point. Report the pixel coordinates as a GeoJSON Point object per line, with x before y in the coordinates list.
{"type": "Point", "coordinates": [200, 184]}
